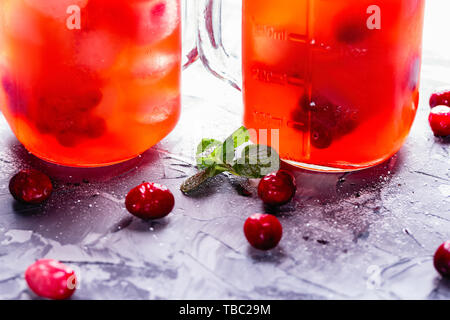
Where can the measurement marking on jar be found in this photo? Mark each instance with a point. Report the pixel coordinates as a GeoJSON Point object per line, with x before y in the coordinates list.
{"type": "Point", "coordinates": [269, 76]}
{"type": "Point", "coordinates": [267, 119]}
{"type": "Point", "coordinates": [270, 32]}
{"type": "Point", "coordinates": [296, 37]}
{"type": "Point", "coordinates": [296, 125]}
{"type": "Point", "coordinates": [295, 81]}
{"type": "Point", "coordinates": [279, 34]}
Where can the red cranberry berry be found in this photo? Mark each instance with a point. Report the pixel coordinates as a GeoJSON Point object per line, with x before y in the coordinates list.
{"type": "Point", "coordinates": [31, 186]}
{"type": "Point", "coordinates": [68, 139]}
{"type": "Point", "coordinates": [351, 26]}
{"type": "Point", "coordinates": [277, 188]}
{"type": "Point", "coordinates": [150, 201]}
{"type": "Point", "coordinates": [51, 279]}
{"type": "Point", "coordinates": [440, 98]}
{"type": "Point", "coordinates": [15, 95]}
{"type": "Point", "coordinates": [321, 137]}
{"type": "Point", "coordinates": [263, 231]}
{"type": "Point", "coordinates": [351, 33]}
{"type": "Point", "coordinates": [329, 121]}
{"type": "Point", "coordinates": [442, 259]}
{"type": "Point", "coordinates": [440, 121]}
{"type": "Point", "coordinates": [91, 126]}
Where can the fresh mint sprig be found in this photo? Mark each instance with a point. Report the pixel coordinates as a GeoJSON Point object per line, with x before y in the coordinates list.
{"type": "Point", "coordinates": [235, 155]}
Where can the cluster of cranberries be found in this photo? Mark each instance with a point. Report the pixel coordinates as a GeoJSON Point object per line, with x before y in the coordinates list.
{"type": "Point", "coordinates": [46, 278]}
{"type": "Point", "coordinates": [440, 124]}
{"type": "Point", "coordinates": [440, 113]}
{"type": "Point", "coordinates": [66, 109]}
{"type": "Point", "coordinates": [150, 201]}
{"type": "Point", "coordinates": [264, 231]}
{"type": "Point", "coordinates": [52, 279]}
{"type": "Point", "coordinates": [65, 105]}
{"type": "Point", "coordinates": [329, 121]}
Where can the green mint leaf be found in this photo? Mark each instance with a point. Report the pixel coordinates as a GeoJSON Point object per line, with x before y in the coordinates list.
{"type": "Point", "coordinates": [205, 153]}
{"type": "Point", "coordinates": [214, 157]}
{"type": "Point", "coordinates": [218, 169]}
{"type": "Point", "coordinates": [257, 161]}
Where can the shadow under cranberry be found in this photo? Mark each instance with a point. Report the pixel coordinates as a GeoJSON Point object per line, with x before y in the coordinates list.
{"type": "Point", "coordinates": [153, 226]}
{"type": "Point", "coordinates": [274, 256]}
{"type": "Point", "coordinates": [27, 210]}
{"type": "Point", "coordinates": [443, 140]}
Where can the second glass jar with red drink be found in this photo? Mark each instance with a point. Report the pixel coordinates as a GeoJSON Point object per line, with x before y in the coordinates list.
{"type": "Point", "coordinates": [334, 83]}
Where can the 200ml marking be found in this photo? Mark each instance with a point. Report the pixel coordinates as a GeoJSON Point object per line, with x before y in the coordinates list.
{"type": "Point", "coordinates": [270, 32]}
{"type": "Point", "coordinates": [268, 76]}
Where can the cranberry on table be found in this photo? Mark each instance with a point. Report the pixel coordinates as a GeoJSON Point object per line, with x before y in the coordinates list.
{"type": "Point", "coordinates": [51, 279]}
{"type": "Point", "coordinates": [277, 188]}
{"type": "Point", "coordinates": [263, 231]}
{"type": "Point", "coordinates": [440, 98]}
{"type": "Point", "coordinates": [442, 259]}
{"type": "Point", "coordinates": [150, 201]}
{"type": "Point", "coordinates": [440, 121]}
{"type": "Point", "coordinates": [31, 186]}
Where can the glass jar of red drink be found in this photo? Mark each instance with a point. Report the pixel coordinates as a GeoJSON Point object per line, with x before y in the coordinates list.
{"type": "Point", "coordinates": [334, 82]}
{"type": "Point", "coordinates": [90, 82]}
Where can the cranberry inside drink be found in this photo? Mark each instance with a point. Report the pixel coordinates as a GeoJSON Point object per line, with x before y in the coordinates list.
{"type": "Point", "coordinates": [339, 79]}
{"type": "Point", "coordinates": [90, 82]}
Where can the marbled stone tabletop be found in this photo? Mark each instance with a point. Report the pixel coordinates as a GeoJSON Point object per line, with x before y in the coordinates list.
{"type": "Point", "coordinates": [370, 234]}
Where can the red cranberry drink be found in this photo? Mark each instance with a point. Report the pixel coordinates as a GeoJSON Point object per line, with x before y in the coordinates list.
{"type": "Point", "coordinates": [339, 79]}
{"type": "Point", "coordinates": [90, 82]}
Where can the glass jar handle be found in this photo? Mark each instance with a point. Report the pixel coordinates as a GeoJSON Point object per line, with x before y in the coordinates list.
{"type": "Point", "coordinates": [189, 29]}
{"type": "Point", "coordinates": [210, 46]}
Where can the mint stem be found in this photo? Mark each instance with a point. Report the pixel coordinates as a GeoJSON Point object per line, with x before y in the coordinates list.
{"type": "Point", "coordinates": [195, 181]}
